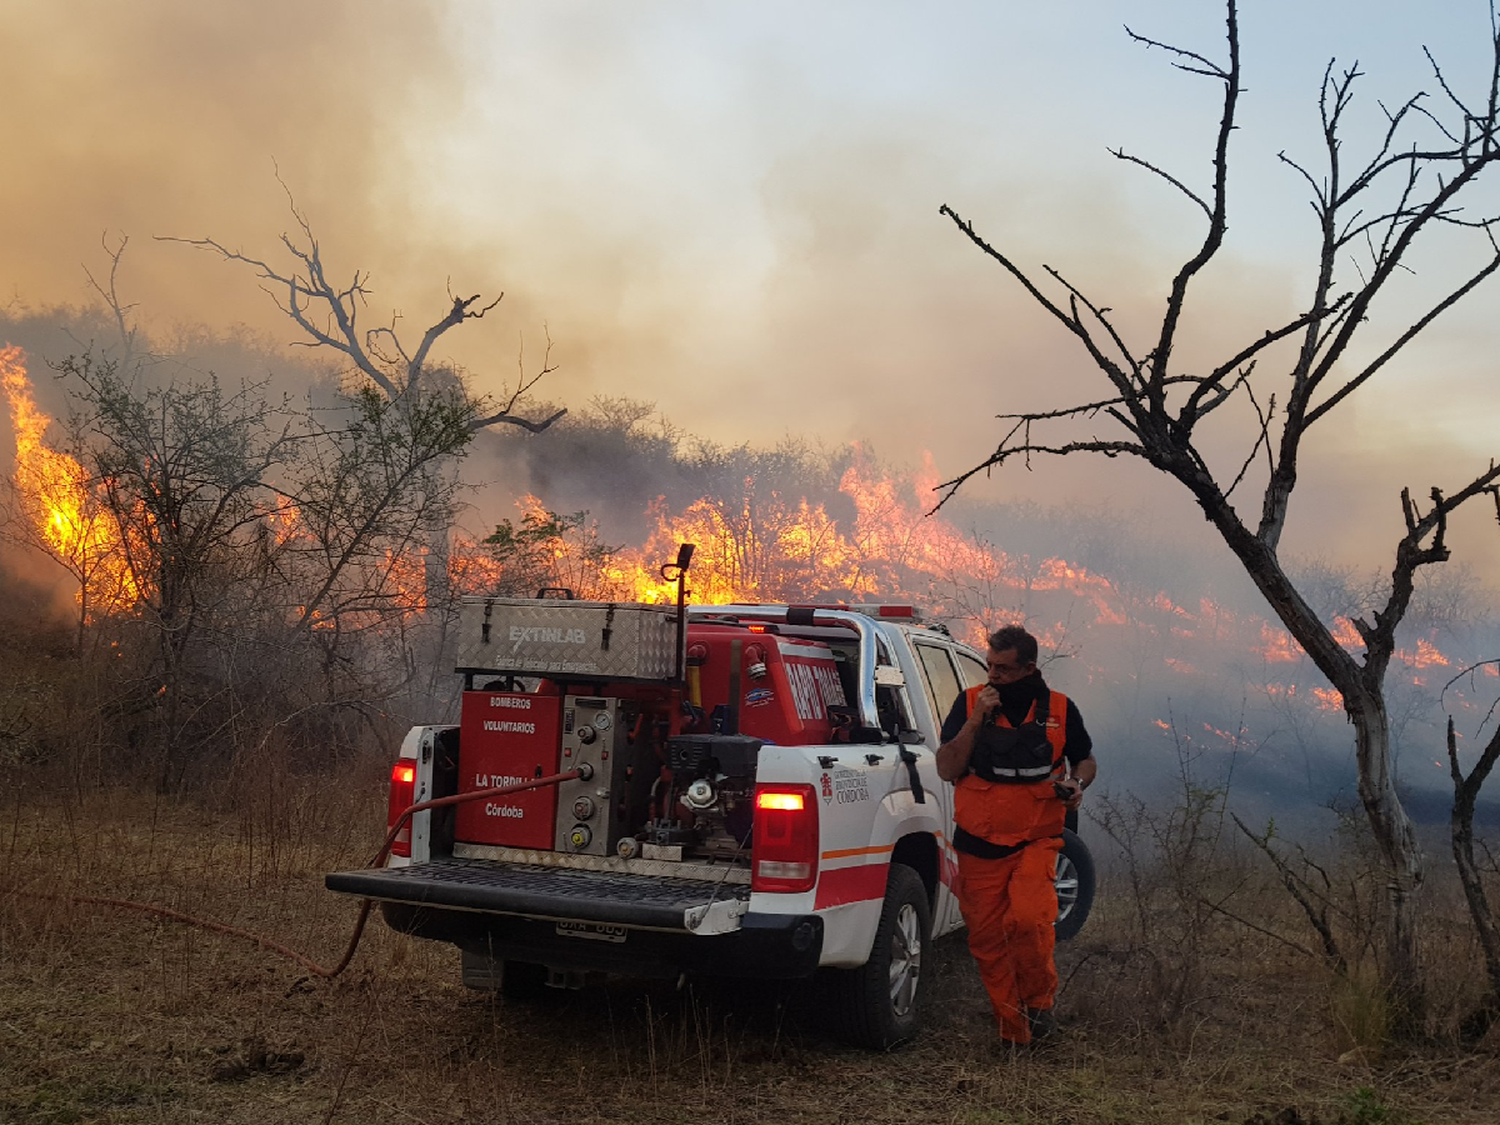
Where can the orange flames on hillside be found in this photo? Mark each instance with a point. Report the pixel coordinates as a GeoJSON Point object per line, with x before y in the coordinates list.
{"type": "Point", "coordinates": [759, 547]}
{"type": "Point", "coordinates": [778, 549]}
{"type": "Point", "coordinates": [64, 504]}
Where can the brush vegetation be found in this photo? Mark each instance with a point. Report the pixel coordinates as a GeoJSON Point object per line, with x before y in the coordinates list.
{"type": "Point", "coordinates": [1196, 993]}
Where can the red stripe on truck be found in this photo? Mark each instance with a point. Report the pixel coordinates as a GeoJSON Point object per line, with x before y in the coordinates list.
{"type": "Point", "coordinates": [843, 885]}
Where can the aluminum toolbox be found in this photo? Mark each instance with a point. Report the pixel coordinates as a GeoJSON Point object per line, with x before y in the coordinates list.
{"type": "Point", "coordinates": [561, 639]}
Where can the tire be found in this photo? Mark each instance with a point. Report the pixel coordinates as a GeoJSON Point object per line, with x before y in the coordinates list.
{"type": "Point", "coordinates": [877, 1004]}
{"type": "Point", "coordinates": [1075, 886]}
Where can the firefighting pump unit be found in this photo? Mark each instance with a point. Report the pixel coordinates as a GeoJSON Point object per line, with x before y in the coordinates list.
{"type": "Point", "coordinates": [664, 720]}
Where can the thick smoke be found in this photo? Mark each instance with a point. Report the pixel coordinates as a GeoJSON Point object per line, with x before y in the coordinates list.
{"type": "Point", "coordinates": [755, 251]}
{"type": "Point", "coordinates": [170, 117]}
{"type": "Point", "coordinates": [719, 217]}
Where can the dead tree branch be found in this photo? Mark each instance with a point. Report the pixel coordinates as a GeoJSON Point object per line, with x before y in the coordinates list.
{"type": "Point", "coordinates": [1303, 894]}
{"type": "Point", "coordinates": [1466, 789]}
{"type": "Point", "coordinates": [110, 294]}
{"type": "Point", "coordinates": [328, 313]}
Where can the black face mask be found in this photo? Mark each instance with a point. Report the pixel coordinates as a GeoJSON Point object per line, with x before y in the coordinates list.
{"type": "Point", "coordinates": [1020, 692]}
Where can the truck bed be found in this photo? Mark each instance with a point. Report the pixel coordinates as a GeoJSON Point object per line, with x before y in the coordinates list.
{"type": "Point", "coordinates": [534, 891]}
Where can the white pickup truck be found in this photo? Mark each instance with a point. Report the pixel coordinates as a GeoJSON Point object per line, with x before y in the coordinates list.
{"type": "Point", "coordinates": [750, 791]}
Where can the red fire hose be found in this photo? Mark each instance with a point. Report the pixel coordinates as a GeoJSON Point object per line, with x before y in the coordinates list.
{"type": "Point", "coordinates": [461, 798]}
{"type": "Point", "coordinates": [364, 910]}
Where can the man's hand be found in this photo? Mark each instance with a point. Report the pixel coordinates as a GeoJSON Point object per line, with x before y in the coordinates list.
{"type": "Point", "coordinates": [987, 701]}
{"type": "Point", "coordinates": [1070, 792]}
{"type": "Point", "coordinates": [953, 755]}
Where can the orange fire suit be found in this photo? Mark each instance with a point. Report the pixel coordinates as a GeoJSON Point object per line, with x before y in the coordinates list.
{"type": "Point", "coordinates": [1009, 902]}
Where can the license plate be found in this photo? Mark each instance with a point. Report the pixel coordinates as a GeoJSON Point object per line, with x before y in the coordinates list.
{"type": "Point", "coordinates": [592, 931]}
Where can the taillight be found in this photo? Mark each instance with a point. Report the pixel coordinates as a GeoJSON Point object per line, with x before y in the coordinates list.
{"type": "Point", "coordinates": [403, 796]}
{"type": "Point", "coordinates": [784, 848]}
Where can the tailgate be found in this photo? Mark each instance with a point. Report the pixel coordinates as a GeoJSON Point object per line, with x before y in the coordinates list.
{"type": "Point", "coordinates": [699, 906]}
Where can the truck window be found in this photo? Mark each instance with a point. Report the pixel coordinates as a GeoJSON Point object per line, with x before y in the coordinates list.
{"type": "Point", "coordinates": [975, 674]}
{"type": "Point", "coordinates": [940, 679]}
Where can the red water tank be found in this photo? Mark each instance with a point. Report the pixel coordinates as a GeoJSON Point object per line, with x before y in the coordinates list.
{"type": "Point", "coordinates": [786, 685]}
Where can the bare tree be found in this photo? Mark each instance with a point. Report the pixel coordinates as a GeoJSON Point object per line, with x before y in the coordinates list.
{"type": "Point", "coordinates": [1370, 216]}
{"type": "Point", "coordinates": [109, 292]}
{"type": "Point", "coordinates": [329, 314]}
{"type": "Point", "coordinates": [1466, 789]}
{"type": "Point", "coordinates": [330, 317]}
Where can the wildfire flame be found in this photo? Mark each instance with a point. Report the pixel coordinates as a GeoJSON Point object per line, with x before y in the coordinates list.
{"type": "Point", "coordinates": [1328, 699]}
{"type": "Point", "coordinates": [767, 547]}
{"type": "Point", "coordinates": [759, 546]}
{"type": "Point", "coordinates": [1426, 656]}
{"type": "Point", "coordinates": [63, 503]}
{"type": "Point", "coordinates": [1277, 645]}
{"type": "Point", "coordinates": [1346, 634]}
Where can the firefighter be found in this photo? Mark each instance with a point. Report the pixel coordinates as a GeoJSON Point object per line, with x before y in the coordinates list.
{"type": "Point", "coordinates": [1020, 759]}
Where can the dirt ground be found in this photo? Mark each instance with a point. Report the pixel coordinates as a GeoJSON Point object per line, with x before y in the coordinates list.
{"type": "Point", "coordinates": [109, 1015]}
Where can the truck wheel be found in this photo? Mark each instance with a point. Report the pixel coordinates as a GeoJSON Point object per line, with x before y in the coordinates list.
{"type": "Point", "coordinates": [1075, 886]}
{"type": "Point", "coordinates": [877, 1003]}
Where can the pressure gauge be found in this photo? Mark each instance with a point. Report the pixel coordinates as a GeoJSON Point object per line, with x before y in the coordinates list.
{"type": "Point", "coordinates": [602, 721]}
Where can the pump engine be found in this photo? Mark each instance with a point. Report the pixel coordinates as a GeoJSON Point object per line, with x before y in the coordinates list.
{"type": "Point", "coordinates": [664, 719]}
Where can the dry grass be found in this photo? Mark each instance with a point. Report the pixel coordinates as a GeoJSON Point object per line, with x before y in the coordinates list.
{"type": "Point", "coordinates": [119, 1017]}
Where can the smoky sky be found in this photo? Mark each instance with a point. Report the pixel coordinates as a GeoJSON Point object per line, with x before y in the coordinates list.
{"type": "Point", "coordinates": [733, 214]}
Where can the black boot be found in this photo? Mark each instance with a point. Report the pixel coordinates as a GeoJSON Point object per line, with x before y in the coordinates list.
{"type": "Point", "coordinates": [1043, 1023]}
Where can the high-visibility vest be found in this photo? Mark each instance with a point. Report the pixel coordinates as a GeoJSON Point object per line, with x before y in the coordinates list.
{"type": "Point", "coordinates": [1016, 812]}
